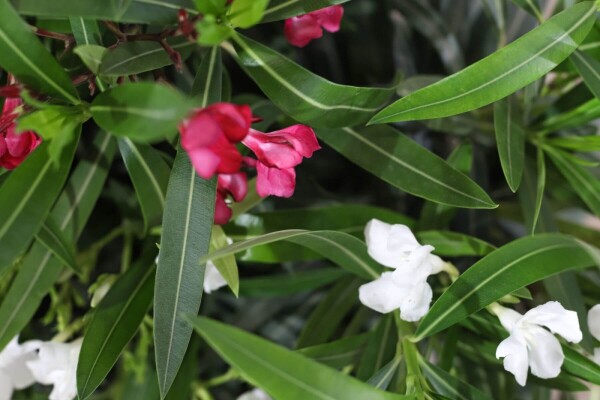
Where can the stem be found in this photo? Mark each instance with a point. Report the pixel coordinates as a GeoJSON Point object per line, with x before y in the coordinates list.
{"type": "Point", "coordinates": [221, 379]}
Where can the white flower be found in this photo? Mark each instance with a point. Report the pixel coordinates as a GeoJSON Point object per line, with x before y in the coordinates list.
{"type": "Point", "coordinates": [530, 345]}
{"type": "Point", "coordinates": [255, 394]}
{"type": "Point", "coordinates": [593, 320]}
{"type": "Point", "coordinates": [213, 279]}
{"type": "Point", "coordinates": [99, 293]}
{"type": "Point", "coordinates": [14, 373]}
{"type": "Point", "coordinates": [57, 365]}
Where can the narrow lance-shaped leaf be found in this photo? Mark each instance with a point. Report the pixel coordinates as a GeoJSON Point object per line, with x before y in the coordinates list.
{"type": "Point", "coordinates": [51, 236]}
{"type": "Point", "coordinates": [27, 196]}
{"type": "Point", "coordinates": [500, 74]}
{"type": "Point", "coordinates": [589, 69]}
{"type": "Point", "coordinates": [280, 372]}
{"type": "Point", "coordinates": [149, 174]}
{"type": "Point", "coordinates": [114, 323]}
{"type": "Point", "coordinates": [303, 95]}
{"type": "Point", "coordinates": [227, 266]}
{"type": "Point", "coordinates": [187, 223]}
{"type": "Point", "coordinates": [40, 269]}
{"type": "Point", "coordinates": [445, 383]}
{"type": "Point", "coordinates": [25, 57]}
{"type": "Point", "coordinates": [282, 9]}
{"type": "Point", "coordinates": [289, 283]}
{"type": "Point", "coordinates": [510, 139]}
{"type": "Point", "coordinates": [505, 270]}
{"type": "Point", "coordinates": [380, 349]}
{"type": "Point", "coordinates": [401, 162]}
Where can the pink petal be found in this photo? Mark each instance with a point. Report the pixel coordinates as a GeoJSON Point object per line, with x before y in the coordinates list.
{"type": "Point", "coordinates": [236, 184]}
{"type": "Point", "coordinates": [3, 147]}
{"type": "Point", "coordinates": [205, 161]}
{"type": "Point", "coordinates": [234, 120]}
{"type": "Point", "coordinates": [302, 138]}
{"type": "Point", "coordinates": [275, 181]}
{"type": "Point", "coordinates": [199, 131]}
{"type": "Point", "coordinates": [329, 18]}
{"type": "Point", "coordinates": [231, 159]}
{"type": "Point", "coordinates": [300, 31]}
{"type": "Point", "coordinates": [284, 148]}
{"type": "Point", "coordinates": [222, 211]}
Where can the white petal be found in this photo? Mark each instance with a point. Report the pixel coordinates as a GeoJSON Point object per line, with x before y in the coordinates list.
{"type": "Point", "coordinates": [213, 279]}
{"type": "Point", "coordinates": [6, 387]}
{"type": "Point", "coordinates": [415, 267]}
{"type": "Point", "coordinates": [57, 365]}
{"type": "Point", "coordinates": [383, 294]}
{"type": "Point", "coordinates": [388, 244]}
{"type": "Point", "coordinates": [416, 304]}
{"type": "Point", "coordinates": [437, 264]}
{"type": "Point", "coordinates": [594, 321]}
{"type": "Point", "coordinates": [596, 356]}
{"type": "Point", "coordinates": [545, 354]}
{"type": "Point", "coordinates": [13, 359]}
{"type": "Point", "coordinates": [255, 394]}
{"type": "Point", "coordinates": [553, 316]}
{"type": "Point", "coordinates": [516, 359]}
{"type": "Point", "coordinates": [508, 317]}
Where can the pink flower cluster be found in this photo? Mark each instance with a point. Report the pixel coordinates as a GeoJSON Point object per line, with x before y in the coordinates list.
{"type": "Point", "coordinates": [210, 137]}
{"type": "Point", "coordinates": [14, 147]}
{"type": "Point", "coordinates": [302, 29]}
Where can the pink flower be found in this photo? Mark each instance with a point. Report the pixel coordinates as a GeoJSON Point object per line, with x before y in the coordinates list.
{"type": "Point", "coordinates": [235, 185]}
{"type": "Point", "coordinates": [14, 147]}
{"type": "Point", "coordinates": [209, 138]}
{"type": "Point", "coordinates": [302, 29]}
{"type": "Point", "coordinates": [278, 153]}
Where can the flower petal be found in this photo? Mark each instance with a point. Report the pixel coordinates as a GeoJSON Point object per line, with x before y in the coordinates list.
{"type": "Point", "coordinates": [545, 353]}
{"type": "Point", "coordinates": [222, 211]}
{"type": "Point", "coordinates": [555, 317]}
{"type": "Point", "coordinates": [330, 18]}
{"type": "Point", "coordinates": [6, 387]}
{"type": "Point", "coordinates": [213, 279]}
{"type": "Point", "coordinates": [255, 394]}
{"type": "Point", "coordinates": [234, 120]}
{"type": "Point", "coordinates": [593, 319]}
{"type": "Point", "coordinates": [300, 31]}
{"type": "Point", "coordinates": [516, 358]}
{"type": "Point", "coordinates": [596, 356]}
{"type": "Point", "coordinates": [389, 244]}
{"type": "Point", "coordinates": [205, 161]}
{"type": "Point", "coordinates": [383, 295]}
{"type": "Point", "coordinates": [275, 181]}
{"type": "Point", "coordinates": [508, 317]}
{"type": "Point", "coordinates": [416, 304]}
{"type": "Point", "coordinates": [234, 184]}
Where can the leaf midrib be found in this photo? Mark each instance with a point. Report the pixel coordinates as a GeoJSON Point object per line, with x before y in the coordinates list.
{"type": "Point", "coordinates": [144, 164]}
{"type": "Point", "coordinates": [159, 114]}
{"type": "Point", "coordinates": [140, 55]}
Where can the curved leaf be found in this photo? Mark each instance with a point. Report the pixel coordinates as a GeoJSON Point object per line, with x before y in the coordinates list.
{"type": "Point", "coordinates": [401, 162]}
{"type": "Point", "coordinates": [282, 9]}
{"type": "Point", "coordinates": [114, 322]}
{"type": "Point", "coordinates": [510, 139]}
{"type": "Point", "coordinates": [25, 57]}
{"type": "Point", "coordinates": [500, 74]}
{"type": "Point", "coordinates": [505, 270]}
{"type": "Point", "coordinates": [454, 244]}
{"type": "Point", "coordinates": [448, 385]}
{"type": "Point", "coordinates": [281, 372]}
{"type": "Point", "coordinates": [589, 69]}
{"type": "Point", "coordinates": [303, 95]}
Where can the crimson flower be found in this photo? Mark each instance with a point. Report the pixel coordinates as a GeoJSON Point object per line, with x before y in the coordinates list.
{"type": "Point", "coordinates": [234, 185]}
{"type": "Point", "coordinates": [302, 29]}
{"type": "Point", "coordinates": [14, 147]}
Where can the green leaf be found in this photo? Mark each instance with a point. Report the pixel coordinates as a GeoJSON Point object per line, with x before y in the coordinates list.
{"type": "Point", "coordinates": [91, 55]}
{"type": "Point", "coordinates": [454, 244]}
{"type": "Point", "coordinates": [227, 265]}
{"type": "Point", "coordinates": [401, 162]}
{"type": "Point", "coordinates": [40, 269]}
{"type": "Point", "coordinates": [142, 112]}
{"type": "Point", "coordinates": [26, 198]}
{"type": "Point", "coordinates": [114, 323]}
{"type": "Point", "coordinates": [339, 353]}
{"type": "Point", "coordinates": [307, 97]}
{"type": "Point", "coordinates": [589, 69]}
{"type": "Point", "coordinates": [86, 32]}
{"type": "Point", "coordinates": [382, 378]}
{"type": "Point", "coordinates": [577, 143]}
{"type": "Point", "coordinates": [380, 349]}
{"type": "Point", "coordinates": [27, 59]}
{"type": "Point", "coordinates": [531, 6]}
{"type": "Point", "coordinates": [503, 271]}
{"type": "Point", "coordinates": [53, 238]}
{"type": "Point", "coordinates": [575, 118]}
{"type": "Point", "coordinates": [581, 366]}
{"type": "Point", "coordinates": [510, 139]}
{"type": "Point", "coordinates": [329, 313]}
{"type": "Point", "coordinates": [214, 7]}
{"type": "Point", "coordinates": [280, 372]}
{"type": "Point", "coordinates": [346, 251]}
{"type": "Point", "coordinates": [282, 9]}
{"type": "Point", "coordinates": [130, 58]}
{"type": "Point", "coordinates": [449, 385]}
{"type": "Point", "coordinates": [212, 32]}
{"type": "Point", "coordinates": [583, 182]}
{"type": "Point", "coordinates": [500, 74]}
{"type": "Point", "coordinates": [289, 284]}
{"type": "Point", "coordinates": [149, 174]}
{"type": "Point", "coordinates": [246, 13]}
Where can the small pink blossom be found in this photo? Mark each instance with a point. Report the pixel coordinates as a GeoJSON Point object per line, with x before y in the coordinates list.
{"type": "Point", "coordinates": [234, 185]}
{"type": "Point", "coordinates": [278, 153]}
{"type": "Point", "coordinates": [14, 147]}
{"type": "Point", "coordinates": [302, 29]}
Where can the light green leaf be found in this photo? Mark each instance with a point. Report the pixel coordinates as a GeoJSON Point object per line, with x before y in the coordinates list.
{"type": "Point", "coordinates": [53, 238]}
{"type": "Point", "coordinates": [280, 372]}
{"type": "Point", "coordinates": [114, 323]}
{"type": "Point", "coordinates": [401, 162]}
{"type": "Point", "coordinates": [303, 95]}
{"type": "Point", "coordinates": [24, 56]}
{"type": "Point", "coordinates": [382, 378]}
{"type": "Point", "coordinates": [500, 74]}
{"type": "Point", "coordinates": [510, 139]}
{"type": "Point", "coordinates": [589, 69]}
{"type": "Point", "coordinates": [40, 269]}
{"type": "Point", "coordinates": [91, 55]}
{"type": "Point", "coordinates": [454, 244]}
{"type": "Point", "coordinates": [246, 13]}
{"type": "Point", "coordinates": [149, 174]}
{"type": "Point", "coordinates": [227, 265]}
{"type": "Point", "coordinates": [214, 7]}
{"type": "Point", "coordinates": [212, 32]}
{"type": "Point", "coordinates": [503, 271]}
{"type": "Point", "coordinates": [282, 9]}
{"type": "Point", "coordinates": [577, 143]}
{"type": "Point", "coordinates": [143, 112]}
{"type": "Point", "coordinates": [575, 118]}
{"type": "Point", "coordinates": [26, 198]}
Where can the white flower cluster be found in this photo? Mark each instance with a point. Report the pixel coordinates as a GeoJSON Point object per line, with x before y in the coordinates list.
{"type": "Point", "coordinates": [47, 363]}
{"type": "Point", "coordinates": [406, 287]}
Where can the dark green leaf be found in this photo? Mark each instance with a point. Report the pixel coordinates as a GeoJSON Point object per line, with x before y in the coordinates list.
{"type": "Point", "coordinates": [51, 236]}
{"type": "Point", "coordinates": [339, 353]}
{"type": "Point", "coordinates": [510, 139]}
{"type": "Point", "coordinates": [382, 378]}
{"type": "Point", "coordinates": [380, 349]}
{"type": "Point", "coordinates": [449, 385]}
{"type": "Point", "coordinates": [589, 69]}
{"type": "Point", "coordinates": [581, 366]}
{"type": "Point", "coordinates": [288, 284]}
